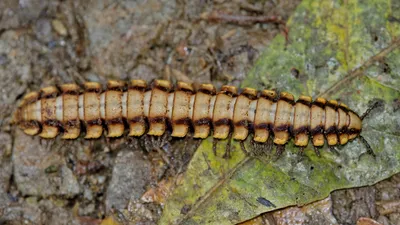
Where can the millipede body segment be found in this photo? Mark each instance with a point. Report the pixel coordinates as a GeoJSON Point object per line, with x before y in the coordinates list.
{"type": "Point", "coordinates": [159, 107]}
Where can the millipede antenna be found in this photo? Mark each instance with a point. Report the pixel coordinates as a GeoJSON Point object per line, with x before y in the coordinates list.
{"type": "Point", "coordinates": [376, 104]}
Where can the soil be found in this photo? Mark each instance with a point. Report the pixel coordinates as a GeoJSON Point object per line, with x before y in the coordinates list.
{"type": "Point", "coordinates": [50, 42]}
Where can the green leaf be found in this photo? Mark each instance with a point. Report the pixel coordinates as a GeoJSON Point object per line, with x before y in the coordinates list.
{"type": "Point", "coordinates": [347, 50]}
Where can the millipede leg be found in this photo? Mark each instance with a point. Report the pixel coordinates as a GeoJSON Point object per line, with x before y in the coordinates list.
{"type": "Point", "coordinates": [185, 141]}
{"type": "Point", "coordinates": [227, 154]}
{"type": "Point", "coordinates": [301, 151]}
{"type": "Point", "coordinates": [108, 143]}
{"type": "Point", "coordinates": [164, 156]}
{"type": "Point", "coordinates": [270, 144]}
{"type": "Point", "coordinates": [243, 148]}
{"type": "Point", "coordinates": [214, 147]}
{"type": "Point", "coordinates": [316, 150]}
{"type": "Point", "coordinates": [133, 142]}
{"type": "Point", "coordinates": [333, 150]}
{"type": "Point", "coordinates": [279, 150]}
{"type": "Point", "coordinates": [256, 148]}
{"type": "Point", "coordinates": [189, 149]}
{"type": "Point", "coordinates": [369, 149]}
{"type": "Point", "coordinates": [143, 143]}
{"type": "Point", "coordinates": [259, 149]}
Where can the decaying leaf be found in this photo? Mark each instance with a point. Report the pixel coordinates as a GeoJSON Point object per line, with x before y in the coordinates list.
{"type": "Point", "coordinates": [302, 215]}
{"type": "Point", "coordinates": [367, 221]}
{"type": "Point", "coordinates": [346, 50]}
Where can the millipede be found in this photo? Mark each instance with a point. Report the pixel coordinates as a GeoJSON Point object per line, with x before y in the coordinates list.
{"type": "Point", "coordinates": [138, 109]}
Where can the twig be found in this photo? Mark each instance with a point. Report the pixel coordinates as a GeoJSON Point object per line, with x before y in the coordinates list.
{"type": "Point", "coordinates": [216, 16]}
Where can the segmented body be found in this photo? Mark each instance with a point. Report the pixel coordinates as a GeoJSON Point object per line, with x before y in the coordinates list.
{"type": "Point", "coordinates": [153, 110]}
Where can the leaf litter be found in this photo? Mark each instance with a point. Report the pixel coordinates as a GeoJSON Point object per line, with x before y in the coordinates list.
{"type": "Point", "coordinates": [336, 47]}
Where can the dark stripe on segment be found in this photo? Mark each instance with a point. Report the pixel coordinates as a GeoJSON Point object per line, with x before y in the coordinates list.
{"type": "Point", "coordinates": [353, 131]}
{"type": "Point", "coordinates": [185, 121]}
{"type": "Point", "coordinates": [53, 123]}
{"type": "Point", "coordinates": [93, 90]}
{"type": "Point", "coordinates": [48, 95]}
{"type": "Point", "coordinates": [300, 130]}
{"type": "Point", "coordinates": [222, 122]}
{"type": "Point", "coordinates": [206, 91]}
{"type": "Point", "coordinates": [32, 124]}
{"type": "Point", "coordinates": [161, 88]}
{"type": "Point", "coordinates": [189, 91]}
{"type": "Point", "coordinates": [343, 108]}
{"type": "Point", "coordinates": [137, 119]}
{"type": "Point", "coordinates": [304, 102]}
{"type": "Point", "coordinates": [319, 104]}
{"type": "Point", "coordinates": [138, 88]}
{"type": "Point", "coordinates": [117, 88]}
{"type": "Point", "coordinates": [229, 93]}
{"type": "Point", "coordinates": [268, 126]}
{"type": "Point", "coordinates": [72, 123]}
{"type": "Point", "coordinates": [98, 121]}
{"type": "Point", "coordinates": [284, 127]}
{"type": "Point", "coordinates": [290, 101]}
{"type": "Point", "coordinates": [343, 130]}
{"type": "Point", "coordinates": [115, 121]}
{"type": "Point", "coordinates": [249, 96]}
{"type": "Point", "coordinates": [331, 130]}
{"type": "Point", "coordinates": [243, 123]}
{"type": "Point", "coordinates": [269, 97]}
{"type": "Point", "coordinates": [333, 106]}
{"type": "Point", "coordinates": [71, 92]}
{"type": "Point", "coordinates": [158, 119]}
{"type": "Point", "coordinates": [247, 124]}
{"type": "Point", "coordinates": [202, 121]}
{"type": "Point", "coordinates": [318, 130]}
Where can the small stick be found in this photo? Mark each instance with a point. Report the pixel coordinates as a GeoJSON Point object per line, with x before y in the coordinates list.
{"type": "Point", "coordinates": [243, 148]}
{"type": "Point", "coordinates": [216, 16]}
{"type": "Point", "coordinates": [240, 19]}
{"type": "Point", "coordinates": [333, 150]}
